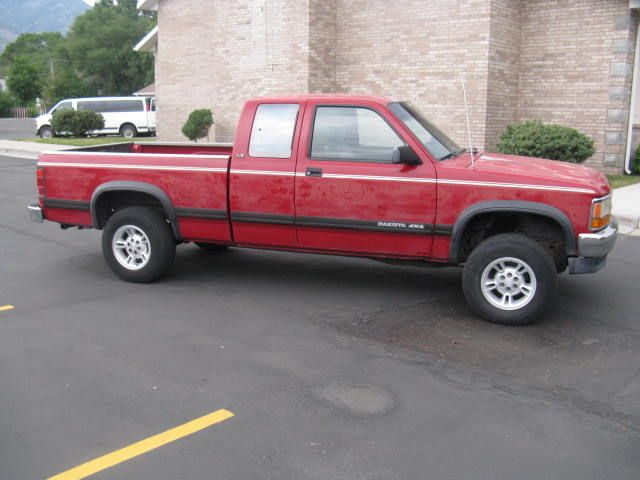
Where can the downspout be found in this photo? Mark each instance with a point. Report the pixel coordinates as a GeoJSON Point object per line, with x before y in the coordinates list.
{"type": "Point", "coordinates": [632, 106]}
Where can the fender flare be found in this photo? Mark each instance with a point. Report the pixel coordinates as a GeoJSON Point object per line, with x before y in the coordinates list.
{"type": "Point", "coordinates": [141, 187]}
{"type": "Point", "coordinates": [511, 206]}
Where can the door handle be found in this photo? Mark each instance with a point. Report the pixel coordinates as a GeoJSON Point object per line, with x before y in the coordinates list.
{"type": "Point", "coordinates": [314, 172]}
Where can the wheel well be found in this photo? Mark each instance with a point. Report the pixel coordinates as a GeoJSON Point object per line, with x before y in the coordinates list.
{"type": "Point", "coordinates": [110, 202]}
{"type": "Point", "coordinates": [127, 124]}
{"type": "Point", "coordinates": [546, 231]}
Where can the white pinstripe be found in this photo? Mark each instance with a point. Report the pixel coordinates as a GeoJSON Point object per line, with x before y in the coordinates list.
{"type": "Point", "coordinates": [381, 178]}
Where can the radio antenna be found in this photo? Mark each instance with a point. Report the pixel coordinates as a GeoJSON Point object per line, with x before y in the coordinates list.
{"type": "Point", "coordinates": [466, 112]}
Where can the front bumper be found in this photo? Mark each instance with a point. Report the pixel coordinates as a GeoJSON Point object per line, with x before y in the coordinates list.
{"type": "Point", "coordinates": [35, 213]}
{"type": "Point", "coordinates": [593, 249]}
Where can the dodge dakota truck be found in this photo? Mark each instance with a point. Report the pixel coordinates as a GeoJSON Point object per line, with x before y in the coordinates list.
{"type": "Point", "coordinates": [341, 175]}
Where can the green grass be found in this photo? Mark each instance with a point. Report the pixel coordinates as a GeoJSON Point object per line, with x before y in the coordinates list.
{"type": "Point", "coordinates": [85, 142]}
{"type": "Point", "coordinates": [618, 181]}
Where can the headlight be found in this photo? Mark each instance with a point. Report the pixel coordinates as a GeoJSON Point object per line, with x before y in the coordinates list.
{"type": "Point", "coordinates": [600, 213]}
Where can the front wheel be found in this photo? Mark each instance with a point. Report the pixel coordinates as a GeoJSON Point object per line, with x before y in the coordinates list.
{"type": "Point", "coordinates": [46, 132]}
{"type": "Point", "coordinates": [138, 244]}
{"type": "Point", "coordinates": [509, 279]}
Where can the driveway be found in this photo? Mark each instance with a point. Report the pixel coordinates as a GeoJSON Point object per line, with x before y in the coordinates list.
{"type": "Point", "coordinates": [12, 128]}
{"type": "Point", "coordinates": [334, 368]}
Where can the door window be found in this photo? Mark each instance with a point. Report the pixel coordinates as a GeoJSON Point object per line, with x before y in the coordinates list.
{"type": "Point", "coordinates": [272, 132]}
{"type": "Point", "coordinates": [63, 106]}
{"type": "Point", "coordinates": [352, 134]}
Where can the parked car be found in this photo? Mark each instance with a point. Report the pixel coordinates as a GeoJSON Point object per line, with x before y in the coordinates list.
{"type": "Point", "coordinates": [341, 175]}
{"type": "Point", "coordinates": [124, 116]}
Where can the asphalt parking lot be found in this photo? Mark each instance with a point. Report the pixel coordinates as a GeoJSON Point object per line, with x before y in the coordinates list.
{"type": "Point", "coordinates": [333, 368]}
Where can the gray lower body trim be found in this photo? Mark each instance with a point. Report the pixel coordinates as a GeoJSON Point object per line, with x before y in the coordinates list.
{"type": "Point", "coordinates": [201, 213]}
{"type": "Point", "coordinates": [582, 265]}
{"type": "Point", "coordinates": [411, 228]}
{"type": "Point", "coordinates": [67, 204]}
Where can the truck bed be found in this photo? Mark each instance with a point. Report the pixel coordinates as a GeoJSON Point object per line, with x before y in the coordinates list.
{"type": "Point", "coordinates": [193, 177]}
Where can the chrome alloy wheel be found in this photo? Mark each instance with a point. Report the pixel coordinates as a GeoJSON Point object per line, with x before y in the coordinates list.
{"type": "Point", "coordinates": [508, 283]}
{"type": "Point", "coordinates": [131, 247]}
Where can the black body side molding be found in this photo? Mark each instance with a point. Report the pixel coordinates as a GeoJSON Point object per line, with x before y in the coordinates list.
{"type": "Point", "coordinates": [510, 206]}
{"type": "Point", "coordinates": [140, 187]}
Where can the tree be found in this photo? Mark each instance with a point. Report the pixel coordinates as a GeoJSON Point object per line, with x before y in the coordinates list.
{"type": "Point", "coordinates": [23, 81]}
{"type": "Point", "coordinates": [66, 85]}
{"type": "Point", "coordinates": [198, 124]}
{"type": "Point", "coordinates": [6, 103]}
{"type": "Point", "coordinates": [100, 46]}
{"type": "Point", "coordinates": [96, 58]}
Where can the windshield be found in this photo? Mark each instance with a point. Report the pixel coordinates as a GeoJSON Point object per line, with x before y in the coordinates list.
{"type": "Point", "coordinates": [434, 140]}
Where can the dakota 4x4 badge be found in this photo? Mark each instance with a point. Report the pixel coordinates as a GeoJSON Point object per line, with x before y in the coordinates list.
{"type": "Point", "coordinates": [413, 226]}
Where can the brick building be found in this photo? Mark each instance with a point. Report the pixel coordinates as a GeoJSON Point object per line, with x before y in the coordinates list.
{"type": "Point", "coordinates": [560, 61]}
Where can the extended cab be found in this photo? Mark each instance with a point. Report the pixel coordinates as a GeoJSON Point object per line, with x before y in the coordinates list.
{"type": "Point", "coordinates": [343, 175]}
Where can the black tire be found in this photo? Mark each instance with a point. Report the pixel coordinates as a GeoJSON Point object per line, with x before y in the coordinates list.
{"type": "Point", "coordinates": [527, 253]}
{"type": "Point", "coordinates": [45, 132]}
{"type": "Point", "coordinates": [211, 247]}
{"type": "Point", "coordinates": [128, 131]}
{"type": "Point", "coordinates": [161, 243]}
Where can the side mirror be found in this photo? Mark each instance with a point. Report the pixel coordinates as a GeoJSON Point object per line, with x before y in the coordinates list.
{"type": "Point", "coordinates": [405, 155]}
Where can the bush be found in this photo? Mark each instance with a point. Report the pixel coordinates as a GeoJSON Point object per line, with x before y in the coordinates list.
{"type": "Point", "coordinates": [555, 142]}
{"type": "Point", "coordinates": [198, 124]}
{"type": "Point", "coordinates": [636, 161]}
{"type": "Point", "coordinates": [76, 123]}
{"type": "Point", "coordinates": [6, 104]}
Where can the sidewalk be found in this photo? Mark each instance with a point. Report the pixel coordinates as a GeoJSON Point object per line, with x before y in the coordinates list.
{"type": "Point", "coordinates": [31, 150]}
{"type": "Point", "coordinates": [626, 208]}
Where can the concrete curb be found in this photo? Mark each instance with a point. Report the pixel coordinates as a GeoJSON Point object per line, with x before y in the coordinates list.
{"type": "Point", "coordinates": [9, 152]}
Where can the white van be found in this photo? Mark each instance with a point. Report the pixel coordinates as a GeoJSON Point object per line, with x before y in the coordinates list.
{"type": "Point", "coordinates": [124, 116]}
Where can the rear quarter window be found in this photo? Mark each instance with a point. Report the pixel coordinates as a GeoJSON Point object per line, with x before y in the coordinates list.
{"type": "Point", "coordinates": [272, 131]}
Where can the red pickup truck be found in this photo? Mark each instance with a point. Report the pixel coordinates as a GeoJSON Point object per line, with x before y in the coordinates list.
{"type": "Point", "coordinates": [342, 175]}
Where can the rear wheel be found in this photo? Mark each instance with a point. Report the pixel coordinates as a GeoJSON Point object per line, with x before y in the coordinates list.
{"type": "Point", "coordinates": [128, 131]}
{"type": "Point", "coordinates": [509, 279]}
{"type": "Point", "coordinates": [138, 244]}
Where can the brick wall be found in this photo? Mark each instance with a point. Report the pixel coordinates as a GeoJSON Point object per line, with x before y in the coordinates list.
{"type": "Point", "coordinates": [503, 68]}
{"type": "Point", "coordinates": [576, 60]}
{"type": "Point", "coordinates": [561, 61]}
{"type": "Point", "coordinates": [417, 51]}
{"type": "Point", "coordinates": [216, 54]}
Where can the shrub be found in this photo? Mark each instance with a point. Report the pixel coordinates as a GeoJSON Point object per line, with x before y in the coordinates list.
{"type": "Point", "coordinates": [198, 124]}
{"type": "Point", "coordinates": [76, 123]}
{"type": "Point", "coordinates": [6, 104]}
{"type": "Point", "coordinates": [555, 142]}
{"type": "Point", "coordinates": [636, 161]}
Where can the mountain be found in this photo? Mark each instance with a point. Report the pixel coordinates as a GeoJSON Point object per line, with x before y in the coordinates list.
{"type": "Point", "coordinates": [36, 16]}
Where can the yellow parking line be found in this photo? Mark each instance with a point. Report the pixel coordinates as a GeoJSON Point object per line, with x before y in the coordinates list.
{"type": "Point", "coordinates": [143, 446]}
{"type": "Point", "coordinates": [6, 307]}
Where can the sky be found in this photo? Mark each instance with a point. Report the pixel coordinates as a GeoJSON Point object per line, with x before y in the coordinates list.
{"type": "Point", "coordinates": [90, 2]}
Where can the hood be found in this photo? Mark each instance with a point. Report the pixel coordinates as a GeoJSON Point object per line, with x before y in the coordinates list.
{"type": "Point", "coordinates": [533, 170]}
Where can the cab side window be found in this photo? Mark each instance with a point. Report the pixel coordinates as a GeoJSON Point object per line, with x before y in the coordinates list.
{"type": "Point", "coordinates": [272, 131]}
{"type": "Point", "coordinates": [352, 134]}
